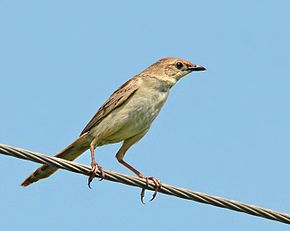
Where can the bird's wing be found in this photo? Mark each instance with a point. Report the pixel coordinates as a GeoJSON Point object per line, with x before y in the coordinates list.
{"type": "Point", "coordinates": [118, 98]}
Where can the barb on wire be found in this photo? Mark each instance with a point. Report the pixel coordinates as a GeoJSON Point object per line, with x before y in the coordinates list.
{"type": "Point", "coordinates": [137, 182]}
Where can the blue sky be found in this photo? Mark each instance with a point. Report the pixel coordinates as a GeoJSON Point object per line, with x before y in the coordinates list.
{"type": "Point", "coordinates": [225, 131]}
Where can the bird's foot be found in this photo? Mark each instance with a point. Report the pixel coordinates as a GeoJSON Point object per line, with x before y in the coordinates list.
{"type": "Point", "coordinates": [157, 184]}
{"type": "Point", "coordinates": [93, 173]}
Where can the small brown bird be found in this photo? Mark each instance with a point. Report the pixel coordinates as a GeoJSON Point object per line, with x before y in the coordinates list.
{"type": "Point", "coordinates": [126, 116]}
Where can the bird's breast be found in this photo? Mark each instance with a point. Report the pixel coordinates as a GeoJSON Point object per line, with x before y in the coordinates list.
{"type": "Point", "coordinates": [143, 108]}
{"type": "Point", "coordinates": [131, 118]}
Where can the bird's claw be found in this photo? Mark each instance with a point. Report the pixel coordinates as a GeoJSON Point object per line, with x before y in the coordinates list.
{"type": "Point", "coordinates": [157, 184]}
{"type": "Point", "coordinates": [93, 173]}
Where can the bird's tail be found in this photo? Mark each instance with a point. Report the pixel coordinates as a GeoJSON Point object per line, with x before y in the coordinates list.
{"type": "Point", "coordinates": [71, 152]}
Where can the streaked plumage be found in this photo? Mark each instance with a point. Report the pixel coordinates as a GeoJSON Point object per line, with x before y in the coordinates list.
{"type": "Point", "coordinates": [127, 115]}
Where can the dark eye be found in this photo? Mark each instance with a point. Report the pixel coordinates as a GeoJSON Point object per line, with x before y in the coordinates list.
{"type": "Point", "coordinates": [179, 65]}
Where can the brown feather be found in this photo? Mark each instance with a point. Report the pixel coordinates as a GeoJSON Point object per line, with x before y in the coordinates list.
{"type": "Point", "coordinates": [117, 99]}
{"type": "Point", "coordinates": [71, 152]}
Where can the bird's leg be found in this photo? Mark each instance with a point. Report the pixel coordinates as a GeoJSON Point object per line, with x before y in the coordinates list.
{"type": "Point", "coordinates": [95, 167]}
{"type": "Point", "coordinates": [120, 155]}
{"type": "Point", "coordinates": [153, 179]}
{"type": "Point", "coordinates": [139, 174]}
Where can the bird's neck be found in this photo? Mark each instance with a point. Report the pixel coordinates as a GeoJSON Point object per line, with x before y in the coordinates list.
{"type": "Point", "coordinates": [161, 83]}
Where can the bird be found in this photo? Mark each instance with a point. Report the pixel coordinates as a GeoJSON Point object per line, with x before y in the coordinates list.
{"type": "Point", "coordinates": [125, 117]}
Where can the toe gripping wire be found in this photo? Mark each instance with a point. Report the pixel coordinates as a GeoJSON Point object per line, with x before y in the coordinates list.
{"type": "Point", "coordinates": [143, 184]}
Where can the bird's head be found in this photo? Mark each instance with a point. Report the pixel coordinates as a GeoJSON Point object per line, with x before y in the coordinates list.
{"type": "Point", "coordinates": [172, 68]}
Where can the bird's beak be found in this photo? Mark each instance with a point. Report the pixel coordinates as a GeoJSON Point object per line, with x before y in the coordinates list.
{"type": "Point", "coordinates": [196, 68]}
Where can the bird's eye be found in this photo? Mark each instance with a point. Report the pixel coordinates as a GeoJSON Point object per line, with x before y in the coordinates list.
{"type": "Point", "coordinates": [179, 65]}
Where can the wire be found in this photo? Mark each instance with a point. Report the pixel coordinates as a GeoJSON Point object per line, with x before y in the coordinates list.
{"type": "Point", "coordinates": [137, 182]}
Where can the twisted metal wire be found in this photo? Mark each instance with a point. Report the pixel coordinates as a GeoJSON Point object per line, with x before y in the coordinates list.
{"type": "Point", "coordinates": [137, 182]}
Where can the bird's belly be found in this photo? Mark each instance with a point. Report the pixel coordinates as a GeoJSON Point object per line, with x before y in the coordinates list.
{"type": "Point", "coordinates": [133, 117]}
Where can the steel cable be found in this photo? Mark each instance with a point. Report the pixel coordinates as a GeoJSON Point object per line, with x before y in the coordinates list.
{"type": "Point", "coordinates": [137, 182]}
